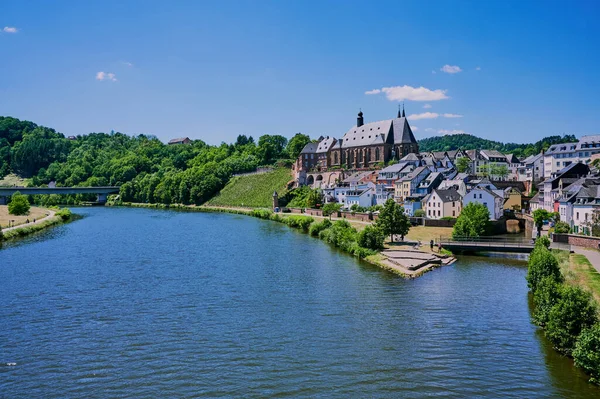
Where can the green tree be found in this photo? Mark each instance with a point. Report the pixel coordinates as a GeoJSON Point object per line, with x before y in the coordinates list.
{"type": "Point", "coordinates": [296, 144]}
{"type": "Point", "coordinates": [19, 205]}
{"type": "Point", "coordinates": [371, 237]}
{"type": "Point", "coordinates": [419, 213]}
{"type": "Point", "coordinates": [331, 208]}
{"type": "Point", "coordinates": [546, 295]}
{"type": "Point", "coordinates": [392, 220]}
{"type": "Point", "coordinates": [472, 221]}
{"type": "Point", "coordinates": [314, 199]}
{"type": "Point", "coordinates": [463, 164]}
{"type": "Point", "coordinates": [539, 216]}
{"type": "Point", "coordinates": [587, 352]}
{"type": "Point", "coordinates": [573, 312]}
{"type": "Point", "coordinates": [542, 264]}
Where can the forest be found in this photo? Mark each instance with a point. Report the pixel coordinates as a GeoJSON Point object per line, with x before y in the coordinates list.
{"type": "Point", "coordinates": [146, 169]}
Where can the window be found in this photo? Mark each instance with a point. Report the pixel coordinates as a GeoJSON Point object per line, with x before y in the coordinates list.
{"type": "Point", "coordinates": [474, 195]}
{"type": "Point", "coordinates": [453, 204]}
{"type": "Point", "coordinates": [439, 213]}
{"type": "Point", "coordinates": [305, 156]}
{"type": "Point", "coordinates": [453, 213]}
{"type": "Point", "coordinates": [480, 196]}
{"type": "Point", "coordinates": [577, 216]}
{"type": "Point", "coordinates": [485, 204]}
{"type": "Point", "coordinates": [428, 212]}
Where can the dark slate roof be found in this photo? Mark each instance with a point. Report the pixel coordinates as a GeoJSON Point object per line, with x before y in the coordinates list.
{"type": "Point", "coordinates": [532, 158]}
{"type": "Point", "coordinates": [411, 157]}
{"type": "Point", "coordinates": [402, 132]}
{"type": "Point", "coordinates": [178, 140]}
{"type": "Point", "coordinates": [511, 158]}
{"type": "Point", "coordinates": [416, 172]}
{"type": "Point", "coordinates": [378, 133]}
{"type": "Point", "coordinates": [448, 195]}
{"type": "Point", "coordinates": [310, 148]}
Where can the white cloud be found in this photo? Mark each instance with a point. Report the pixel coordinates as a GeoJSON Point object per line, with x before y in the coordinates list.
{"type": "Point", "coordinates": [106, 76]}
{"type": "Point", "coordinates": [451, 69]}
{"type": "Point", "coordinates": [478, 69]}
{"type": "Point", "coordinates": [414, 128]}
{"type": "Point", "coordinates": [445, 131]}
{"type": "Point", "coordinates": [10, 29]}
{"type": "Point", "coordinates": [426, 106]}
{"type": "Point", "coordinates": [452, 116]}
{"type": "Point", "coordinates": [400, 93]}
{"type": "Point", "coordinates": [424, 115]}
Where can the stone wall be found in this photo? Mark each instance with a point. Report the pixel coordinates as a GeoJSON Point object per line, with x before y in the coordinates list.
{"type": "Point", "coordinates": [577, 240]}
{"type": "Point", "coordinates": [313, 212]}
{"type": "Point", "coordinates": [438, 223]}
{"type": "Point", "coordinates": [365, 217]}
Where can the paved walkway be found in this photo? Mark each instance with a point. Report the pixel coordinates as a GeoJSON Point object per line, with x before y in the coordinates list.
{"type": "Point", "coordinates": [38, 221]}
{"type": "Point", "coordinates": [591, 255]}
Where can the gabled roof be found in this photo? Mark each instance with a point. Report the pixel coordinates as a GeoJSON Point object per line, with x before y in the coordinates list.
{"type": "Point", "coordinates": [492, 154]}
{"type": "Point", "coordinates": [396, 168]}
{"type": "Point", "coordinates": [511, 158]}
{"type": "Point", "coordinates": [325, 144]}
{"type": "Point", "coordinates": [411, 157]}
{"type": "Point", "coordinates": [367, 134]}
{"type": "Point", "coordinates": [486, 190]}
{"type": "Point", "coordinates": [178, 140]}
{"type": "Point", "coordinates": [402, 132]}
{"type": "Point", "coordinates": [448, 195]}
{"type": "Point", "coordinates": [416, 172]}
{"type": "Point", "coordinates": [310, 148]}
{"type": "Point", "coordinates": [531, 159]}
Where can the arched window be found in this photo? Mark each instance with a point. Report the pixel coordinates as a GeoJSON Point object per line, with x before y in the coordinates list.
{"type": "Point", "coordinates": [377, 154]}
{"type": "Point", "coordinates": [335, 157]}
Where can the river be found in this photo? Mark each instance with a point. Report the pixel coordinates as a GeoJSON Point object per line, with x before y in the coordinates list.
{"type": "Point", "coordinates": [134, 303]}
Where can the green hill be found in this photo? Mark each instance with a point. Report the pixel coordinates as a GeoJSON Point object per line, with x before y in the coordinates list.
{"type": "Point", "coordinates": [253, 190]}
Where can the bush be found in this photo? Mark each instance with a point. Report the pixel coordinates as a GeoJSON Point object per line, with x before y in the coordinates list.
{"type": "Point", "coordinates": [571, 314]}
{"type": "Point", "coordinates": [19, 205]}
{"type": "Point", "coordinates": [341, 234]}
{"type": "Point", "coordinates": [317, 228]}
{"type": "Point", "coordinates": [299, 222]}
{"type": "Point", "coordinates": [543, 241]}
{"type": "Point", "coordinates": [542, 264]}
{"type": "Point", "coordinates": [261, 213]}
{"type": "Point", "coordinates": [587, 352]}
{"type": "Point", "coordinates": [545, 297]}
{"type": "Point", "coordinates": [472, 221]}
{"type": "Point", "coordinates": [371, 237]}
{"type": "Point", "coordinates": [562, 228]}
{"type": "Point", "coordinates": [419, 213]}
{"type": "Point", "coordinates": [64, 214]}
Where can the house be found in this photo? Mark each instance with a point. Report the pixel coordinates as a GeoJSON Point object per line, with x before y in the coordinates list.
{"type": "Point", "coordinates": [180, 140]}
{"type": "Point", "coordinates": [458, 184]}
{"type": "Point", "coordinates": [534, 203]}
{"type": "Point", "coordinates": [531, 170]}
{"type": "Point", "coordinates": [549, 192]}
{"type": "Point", "coordinates": [411, 204]}
{"type": "Point", "coordinates": [443, 203]}
{"type": "Point", "coordinates": [492, 201]}
{"type": "Point", "coordinates": [394, 172]}
{"type": "Point", "coordinates": [383, 192]}
{"type": "Point", "coordinates": [513, 199]}
{"type": "Point", "coordinates": [431, 182]}
{"type": "Point", "coordinates": [362, 197]}
{"type": "Point", "coordinates": [513, 166]}
{"type": "Point", "coordinates": [560, 156]}
{"type": "Point", "coordinates": [586, 203]}
{"type": "Point", "coordinates": [407, 186]}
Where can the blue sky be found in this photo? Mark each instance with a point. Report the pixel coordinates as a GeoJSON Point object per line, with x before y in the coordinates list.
{"type": "Point", "coordinates": [515, 70]}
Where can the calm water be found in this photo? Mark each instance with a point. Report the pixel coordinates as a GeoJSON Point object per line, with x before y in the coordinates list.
{"type": "Point", "coordinates": [146, 303]}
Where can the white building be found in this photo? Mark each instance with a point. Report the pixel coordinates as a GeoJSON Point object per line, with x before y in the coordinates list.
{"type": "Point", "coordinates": [492, 201]}
{"type": "Point", "coordinates": [559, 156]}
{"type": "Point", "coordinates": [443, 203]}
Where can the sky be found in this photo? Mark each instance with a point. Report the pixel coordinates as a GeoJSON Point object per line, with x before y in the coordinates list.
{"type": "Point", "coordinates": [512, 71]}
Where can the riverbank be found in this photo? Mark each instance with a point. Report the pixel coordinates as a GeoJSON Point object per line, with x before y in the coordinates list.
{"type": "Point", "coordinates": [409, 263]}
{"type": "Point", "coordinates": [54, 217]}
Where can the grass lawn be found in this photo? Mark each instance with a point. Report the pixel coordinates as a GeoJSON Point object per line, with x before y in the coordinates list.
{"type": "Point", "coordinates": [425, 234]}
{"type": "Point", "coordinates": [578, 270]}
{"type": "Point", "coordinates": [34, 213]}
{"type": "Point", "coordinates": [254, 191]}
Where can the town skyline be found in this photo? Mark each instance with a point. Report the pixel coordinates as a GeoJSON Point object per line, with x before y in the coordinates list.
{"type": "Point", "coordinates": [288, 68]}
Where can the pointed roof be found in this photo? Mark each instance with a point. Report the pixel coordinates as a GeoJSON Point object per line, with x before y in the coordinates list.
{"type": "Point", "coordinates": [402, 131]}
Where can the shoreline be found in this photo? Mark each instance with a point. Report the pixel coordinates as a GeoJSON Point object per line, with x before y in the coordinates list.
{"type": "Point", "coordinates": [379, 259]}
{"type": "Point", "coordinates": [56, 217]}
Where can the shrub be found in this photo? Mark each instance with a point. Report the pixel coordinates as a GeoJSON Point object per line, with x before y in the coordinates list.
{"type": "Point", "coordinates": [261, 213]}
{"type": "Point", "coordinates": [562, 228]}
{"type": "Point", "coordinates": [371, 237]}
{"type": "Point", "coordinates": [419, 213]}
{"type": "Point", "coordinates": [545, 297]}
{"type": "Point", "coordinates": [316, 228]}
{"type": "Point", "coordinates": [571, 314]}
{"type": "Point", "coordinates": [64, 214]}
{"type": "Point", "coordinates": [361, 252]}
{"type": "Point", "coordinates": [472, 221]}
{"type": "Point", "coordinates": [299, 222]}
{"type": "Point", "coordinates": [543, 241]}
{"type": "Point", "coordinates": [19, 205]}
{"type": "Point", "coordinates": [542, 264]}
{"type": "Point", "coordinates": [587, 352]}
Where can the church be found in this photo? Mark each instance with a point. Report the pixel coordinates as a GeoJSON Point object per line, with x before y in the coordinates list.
{"type": "Point", "coordinates": [364, 146]}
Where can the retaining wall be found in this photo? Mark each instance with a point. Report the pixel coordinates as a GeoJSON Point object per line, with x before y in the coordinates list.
{"type": "Point", "coordinates": [577, 240]}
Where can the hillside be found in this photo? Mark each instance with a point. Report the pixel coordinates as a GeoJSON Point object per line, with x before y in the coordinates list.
{"type": "Point", "coordinates": [470, 142]}
{"type": "Point", "coordinates": [253, 190]}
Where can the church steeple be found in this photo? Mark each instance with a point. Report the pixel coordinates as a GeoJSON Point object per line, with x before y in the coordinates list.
{"type": "Point", "coordinates": [399, 112]}
{"type": "Point", "coordinates": [360, 121]}
{"type": "Point", "coordinates": [403, 114]}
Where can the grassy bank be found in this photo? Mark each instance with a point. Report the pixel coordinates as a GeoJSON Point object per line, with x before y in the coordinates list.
{"type": "Point", "coordinates": [577, 270]}
{"type": "Point", "coordinates": [253, 190]}
{"type": "Point", "coordinates": [34, 213]}
{"type": "Point", "coordinates": [61, 216]}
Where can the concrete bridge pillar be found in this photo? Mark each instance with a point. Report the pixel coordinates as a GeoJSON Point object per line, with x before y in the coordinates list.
{"type": "Point", "coordinates": [3, 200]}
{"type": "Point", "coordinates": [102, 198]}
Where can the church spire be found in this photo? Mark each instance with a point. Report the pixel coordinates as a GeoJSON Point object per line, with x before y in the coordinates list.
{"type": "Point", "coordinates": [403, 114]}
{"type": "Point", "coordinates": [399, 112]}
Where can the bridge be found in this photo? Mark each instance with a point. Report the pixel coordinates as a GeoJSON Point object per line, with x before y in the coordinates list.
{"type": "Point", "coordinates": [101, 192]}
{"type": "Point", "coordinates": [493, 244]}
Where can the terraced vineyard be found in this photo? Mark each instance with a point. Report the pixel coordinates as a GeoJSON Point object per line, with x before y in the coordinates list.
{"type": "Point", "coordinates": [253, 190]}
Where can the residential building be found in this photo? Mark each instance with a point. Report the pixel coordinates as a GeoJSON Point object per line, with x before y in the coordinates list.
{"type": "Point", "coordinates": [180, 140]}
{"type": "Point", "coordinates": [513, 199]}
{"type": "Point", "coordinates": [492, 201]}
{"type": "Point", "coordinates": [549, 190]}
{"type": "Point", "coordinates": [560, 156]}
{"type": "Point", "coordinates": [443, 203]}
{"type": "Point", "coordinates": [431, 182]}
{"type": "Point", "coordinates": [407, 186]}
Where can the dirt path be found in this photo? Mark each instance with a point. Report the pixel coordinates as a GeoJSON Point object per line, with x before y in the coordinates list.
{"type": "Point", "coordinates": [38, 221]}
